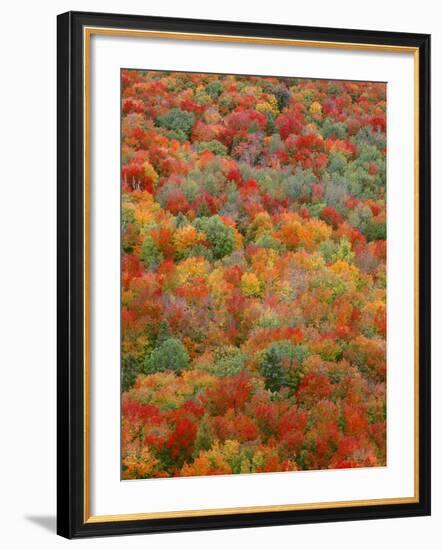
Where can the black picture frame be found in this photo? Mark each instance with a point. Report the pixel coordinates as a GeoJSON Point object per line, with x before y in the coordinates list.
{"type": "Point", "coordinates": [71, 521]}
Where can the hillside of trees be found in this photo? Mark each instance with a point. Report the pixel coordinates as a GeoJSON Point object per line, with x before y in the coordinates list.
{"type": "Point", "coordinates": [253, 274]}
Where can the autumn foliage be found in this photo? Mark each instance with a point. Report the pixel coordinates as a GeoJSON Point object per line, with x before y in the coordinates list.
{"type": "Point", "coordinates": [253, 274]}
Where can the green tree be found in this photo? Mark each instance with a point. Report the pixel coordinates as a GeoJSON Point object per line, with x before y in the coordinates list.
{"type": "Point", "coordinates": [214, 146]}
{"type": "Point", "coordinates": [150, 254]}
{"type": "Point", "coordinates": [344, 251]}
{"type": "Point", "coordinates": [178, 121]}
{"type": "Point", "coordinates": [181, 220]}
{"type": "Point", "coordinates": [228, 361]}
{"type": "Point", "coordinates": [127, 216]}
{"type": "Point", "coordinates": [375, 230]}
{"type": "Point", "coordinates": [130, 369]}
{"type": "Point", "coordinates": [220, 236]}
{"type": "Point", "coordinates": [338, 129]}
{"type": "Point", "coordinates": [214, 89]}
{"type": "Point", "coordinates": [204, 437]}
{"type": "Point", "coordinates": [164, 332]}
{"type": "Point", "coordinates": [337, 163]}
{"type": "Point", "coordinates": [282, 365]}
{"type": "Point", "coordinates": [169, 355]}
{"type": "Point", "coordinates": [271, 369]}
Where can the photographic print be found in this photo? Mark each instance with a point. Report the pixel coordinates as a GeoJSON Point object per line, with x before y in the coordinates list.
{"type": "Point", "coordinates": [243, 287]}
{"type": "Point", "coordinates": [253, 284]}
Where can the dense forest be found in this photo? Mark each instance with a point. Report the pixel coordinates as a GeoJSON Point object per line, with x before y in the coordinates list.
{"type": "Point", "coordinates": [253, 274]}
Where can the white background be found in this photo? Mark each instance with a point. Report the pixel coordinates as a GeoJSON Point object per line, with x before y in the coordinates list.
{"type": "Point", "coordinates": [27, 229]}
{"type": "Point", "coordinates": [110, 495]}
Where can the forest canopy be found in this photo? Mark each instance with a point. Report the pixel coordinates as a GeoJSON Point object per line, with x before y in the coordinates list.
{"type": "Point", "coordinates": [253, 274]}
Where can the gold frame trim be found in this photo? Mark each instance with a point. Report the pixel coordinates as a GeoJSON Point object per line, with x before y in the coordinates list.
{"type": "Point", "coordinates": [87, 34]}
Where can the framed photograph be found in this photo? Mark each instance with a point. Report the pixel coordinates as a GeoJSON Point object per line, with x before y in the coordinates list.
{"type": "Point", "coordinates": [243, 274]}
